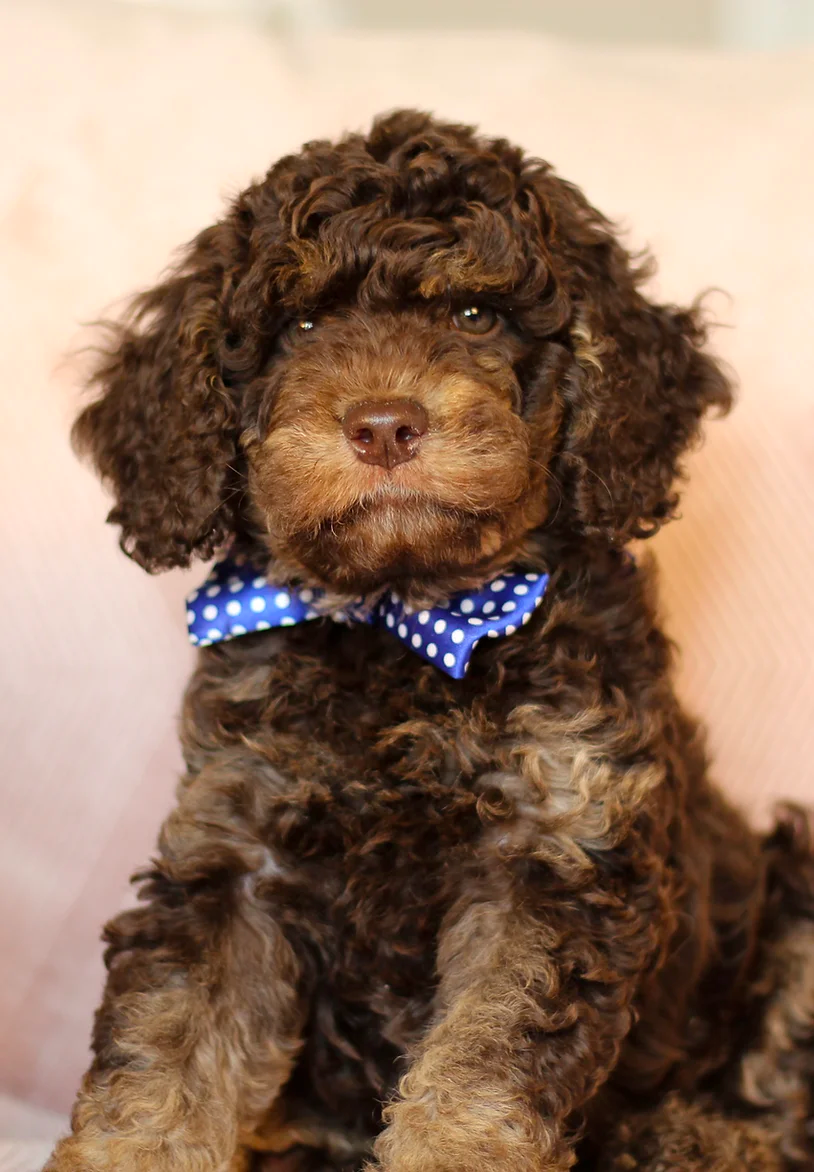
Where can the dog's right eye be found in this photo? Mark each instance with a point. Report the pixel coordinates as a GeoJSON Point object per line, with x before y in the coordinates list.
{"type": "Point", "coordinates": [298, 329]}
{"type": "Point", "coordinates": [475, 319]}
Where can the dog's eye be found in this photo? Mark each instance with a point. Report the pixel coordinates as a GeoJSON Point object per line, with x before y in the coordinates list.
{"type": "Point", "coordinates": [475, 319]}
{"type": "Point", "coordinates": [299, 329]}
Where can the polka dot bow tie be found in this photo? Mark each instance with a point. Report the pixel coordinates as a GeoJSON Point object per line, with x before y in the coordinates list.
{"type": "Point", "coordinates": [237, 599]}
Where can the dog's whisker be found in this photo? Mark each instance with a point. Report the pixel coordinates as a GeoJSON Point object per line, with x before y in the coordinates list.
{"type": "Point", "coordinates": [238, 491]}
{"type": "Point", "coordinates": [595, 474]}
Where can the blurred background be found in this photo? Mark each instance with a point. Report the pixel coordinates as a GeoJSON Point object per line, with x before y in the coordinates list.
{"type": "Point", "coordinates": [759, 24]}
{"type": "Point", "coordinates": [124, 127]}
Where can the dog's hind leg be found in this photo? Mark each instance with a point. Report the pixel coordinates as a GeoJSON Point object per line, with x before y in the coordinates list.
{"type": "Point", "coordinates": [756, 1114]}
{"type": "Point", "coordinates": [773, 1075]}
{"type": "Point", "coordinates": [677, 1136]}
{"type": "Point", "coordinates": [305, 1159]}
{"type": "Point", "coordinates": [304, 1139]}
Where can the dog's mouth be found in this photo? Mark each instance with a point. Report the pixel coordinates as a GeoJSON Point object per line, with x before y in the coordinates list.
{"type": "Point", "coordinates": [402, 497]}
{"type": "Point", "coordinates": [403, 519]}
{"type": "Point", "coordinates": [403, 540]}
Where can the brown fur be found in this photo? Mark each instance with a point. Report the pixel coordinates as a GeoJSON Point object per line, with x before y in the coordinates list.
{"type": "Point", "coordinates": [394, 919]}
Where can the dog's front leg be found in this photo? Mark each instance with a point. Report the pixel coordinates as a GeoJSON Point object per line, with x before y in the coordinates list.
{"type": "Point", "coordinates": [533, 1010]}
{"type": "Point", "coordinates": [201, 1017]}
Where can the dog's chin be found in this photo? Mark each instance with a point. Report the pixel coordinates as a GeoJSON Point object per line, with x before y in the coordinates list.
{"type": "Point", "coordinates": [421, 549]}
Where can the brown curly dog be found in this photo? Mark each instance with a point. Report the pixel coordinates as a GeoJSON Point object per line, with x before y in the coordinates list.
{"type": "Point", "coordinates": [398, 920]}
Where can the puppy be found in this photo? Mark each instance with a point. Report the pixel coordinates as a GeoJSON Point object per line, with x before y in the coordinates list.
{"type": "Point", "coordinates": [447, 886]}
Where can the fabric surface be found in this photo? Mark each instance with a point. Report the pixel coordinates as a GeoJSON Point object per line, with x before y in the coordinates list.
{"type": "Point", "coordinates": [237, 599]}
{"type": "Point", "coordinates": [27, 1135]}
{"type": "Point", "coordinates": [121, 132]}
{"type": "Point", "coordinates": [23, 1155]}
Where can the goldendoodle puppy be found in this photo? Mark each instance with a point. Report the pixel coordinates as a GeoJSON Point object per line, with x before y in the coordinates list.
{"type": "Point", "coordinates": [447, 887]}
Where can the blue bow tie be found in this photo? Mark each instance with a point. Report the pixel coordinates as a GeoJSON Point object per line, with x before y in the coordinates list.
{"type": "Point", "coordinates": [237, 599]}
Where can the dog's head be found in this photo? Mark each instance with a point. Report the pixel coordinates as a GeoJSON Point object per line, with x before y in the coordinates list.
{"type": "Point", "coordinates": [399, 359]}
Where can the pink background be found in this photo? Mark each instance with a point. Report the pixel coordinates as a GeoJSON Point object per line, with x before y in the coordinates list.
{"type": "Point", "coordinates": [120, 135]}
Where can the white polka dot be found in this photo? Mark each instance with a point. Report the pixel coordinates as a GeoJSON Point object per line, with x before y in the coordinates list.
{"type": "Point", "coordinates": [282, 600]}
{"type": "Point", "coordinates": [205, 643]}
{"type": "Point", "coordinates": [507, 606]}
{"type": "Point", "coordinates": [423, 617]}
{"type": "Point", "coordinates": [532, 577]}
{"type": "Point", "coordinates": [190, 616]}
{"type": "Point", "coordinates": [537, 601]}
{"type": "Point", "coordinates": [467, 606]}
{"type": "Point", "coordinates": [391, 621]}
{"type": "Point", "coordinates": [402, 630]}
{"type": "Point", "coordinates": [521, 589]}
{"type": "Point", "coordinates": [416, 640]}
{"type": "Point", "coordinates": [193, 638]}
{"type": "Point", "coordinates": [307, 595]}
{"type": "Point", "coordinates": [193, 595]}
{"type": "Point", "coordinates": [259, 582]}
{"type": "Point", "coordinates": [214, 633]}
{"type": "Point", "coordinates": [212, 591]}
{"type": "Point", "coordinates": [493, 634]}
{"type": "Point", "coordinates": [287, 621]}
{"type": "Point", "coordinates": [258, 604]}
{"type": "Point", "coordinates": [432, 650]}
{"type": "Point", "coordinates": [395, 597]}
{"type": "Point", "coordinates": [510, 630]}
{"type": "Point", "coordinates": [497, 585]}
{"type": "Point", "coordinates": [449, 659]}
{"type": "Point", "coordinates": [489, 606]}
{"type": "Point", "coordinates": [263, 626]}
{"type": "Point", "coordinates": [235, 584]}
{"type": "Point", "coordinates": [311, 613]}
{"type": "Point", "coordinates": [475, 622]}
{"type": "Point", "coordinates": [526, 618]}
{"type": "Point", "coordinates": [457, 636]}
{"type": "Point", "coordinates": [440, 626]}
{"type": "Point", "coordinates": [237, 629]}
{"type": "Point", "coordinates": [210, 612]}
{"type": "Point", "coordinates": [233, 607]}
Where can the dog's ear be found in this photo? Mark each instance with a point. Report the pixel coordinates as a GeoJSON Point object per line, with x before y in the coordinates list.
{"type": "Point", "coordinates": [642, 382]}
{"type": "Point", "coordinates": [163, 432]}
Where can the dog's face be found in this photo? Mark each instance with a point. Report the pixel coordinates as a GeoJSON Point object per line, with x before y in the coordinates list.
{"type": "Point", "coordinates": [395, 445]}
{"type": "Point", "coordinates": [400, 360]}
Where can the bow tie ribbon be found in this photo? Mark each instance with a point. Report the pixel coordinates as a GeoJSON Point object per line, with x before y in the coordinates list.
{"type": "Point", "coordinates": [237, 599]}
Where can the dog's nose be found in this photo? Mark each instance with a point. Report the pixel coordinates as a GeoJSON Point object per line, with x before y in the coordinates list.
{"type": "Point", "coordinates": [387, 433]}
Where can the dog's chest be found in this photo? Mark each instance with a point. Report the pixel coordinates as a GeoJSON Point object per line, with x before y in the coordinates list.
{"type": "Point", "coordinates": [370, 866]}
{"type": "Point", "coordinates": [370, 870]}
{"type": "Point", "coordinates": [369, 823]}
{"type": "Point", "coordinates": [378, 862]}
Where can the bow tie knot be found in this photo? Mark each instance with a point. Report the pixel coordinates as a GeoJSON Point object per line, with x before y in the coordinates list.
{"type": "Point", "coordinates": [238, 599]}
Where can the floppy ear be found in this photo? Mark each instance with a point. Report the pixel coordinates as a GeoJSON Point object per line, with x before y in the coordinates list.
{"type": "Point", "coordinates": [163, 433]}
{"type": "Point", "coordinates": [642, 383]}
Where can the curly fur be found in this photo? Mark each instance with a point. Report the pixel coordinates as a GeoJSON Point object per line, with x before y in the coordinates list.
{"type": "Point", "coordinates": [395, 920]}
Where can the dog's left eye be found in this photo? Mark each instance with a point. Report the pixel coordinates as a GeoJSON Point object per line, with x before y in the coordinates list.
{"type": "Point", "coordinates": [304, 325]}
{"type": "Point", "coordinates": [475, 319]}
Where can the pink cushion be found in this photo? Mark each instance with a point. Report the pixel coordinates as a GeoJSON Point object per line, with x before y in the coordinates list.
{"type": "Point", "coordinates": [122, 131]}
